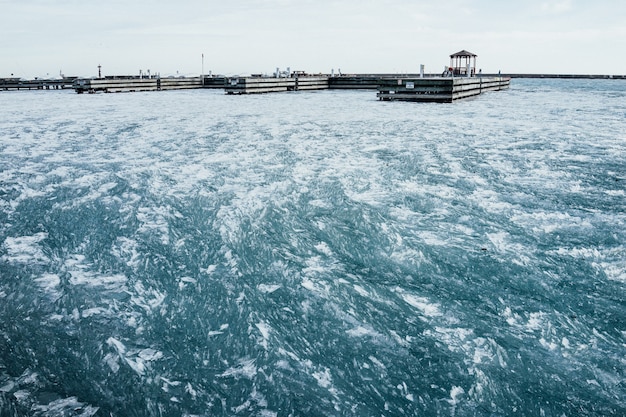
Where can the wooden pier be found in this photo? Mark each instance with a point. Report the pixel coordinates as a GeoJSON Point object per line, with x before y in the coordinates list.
{"type": "Point", "coordinates": [405, 88]}
{"type": "Point", "coordinates": [256, 85]}
{"type": "Point", "coordinates": [7, 84]}
{"type": "Point", "coordinates": [130, 84]}
{"type": "Point", "coordinates": [438, 89]}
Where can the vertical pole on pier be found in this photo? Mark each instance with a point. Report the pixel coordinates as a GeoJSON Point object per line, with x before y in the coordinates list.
{"type": "Point", "coordinates": [421, 70]}
{"type": "Point", "coordinates": [202, 75]}
{"type": "Point", "coordinates": [99, 71]}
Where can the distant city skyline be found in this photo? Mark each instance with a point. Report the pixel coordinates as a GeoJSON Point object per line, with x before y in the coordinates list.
{"type": "Point", "coordinates": [43, 38]}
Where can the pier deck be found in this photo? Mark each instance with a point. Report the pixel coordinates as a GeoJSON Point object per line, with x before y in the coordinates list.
{"type": "Point", "coordinates": [254, 85]}
{"type": "Point", "coordinates": [130, 84]}
{"type": "Point", "coordinates": [438, 89]}
{"type": "Point", "coordinates": [7, 84]}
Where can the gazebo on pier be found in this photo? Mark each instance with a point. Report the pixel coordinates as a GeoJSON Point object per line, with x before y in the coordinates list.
{"type": "Point", "coordinates": [460, 61]}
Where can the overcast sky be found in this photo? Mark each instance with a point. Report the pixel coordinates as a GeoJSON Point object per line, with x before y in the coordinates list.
{"type": "Point", "coordinates": [45, 37]}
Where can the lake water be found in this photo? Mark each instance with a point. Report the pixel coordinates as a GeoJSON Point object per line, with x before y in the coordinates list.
{"type": "Point", "coordinates": [314, 253]}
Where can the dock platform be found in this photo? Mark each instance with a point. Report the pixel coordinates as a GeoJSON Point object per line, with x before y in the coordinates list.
{"type": "Point", "coordinates": [7, 84]}
{"type": "Point", "coordinates": [256, 85]}
{"type": "Point", "coordinates": [438, 89]}
{"type": "Point", "coordinates": [130, 84]}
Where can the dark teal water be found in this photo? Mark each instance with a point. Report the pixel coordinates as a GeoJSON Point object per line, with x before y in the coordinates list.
{"type": "Point", "coordinates": [314, 254]}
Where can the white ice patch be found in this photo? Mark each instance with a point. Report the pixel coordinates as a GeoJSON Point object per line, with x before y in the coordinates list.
{"type": "Point", "coordinates": [184, 281]}
{"type": "Point", "coordinates": [268, 288]}
{"type": "Point", "coordinates": [490, 201]}
{"type": "Point", "coordinates": [25, 249]}
{"type": "Point", "coordinates": [361, 331]}
{"type": "Point", "coordinates": [264, 329]}
{"type": "Point", "coordinates": [148, 298]}
{"type": "Point", "coordinates": [246, 368]}
{"type": "Point", "coordinates": [156, 219]}
{"type": "Point", "coordinates": [49, 283]}
{"type": "Point", "coordinates": [423, 304]}
{"type": "Point", "coordinates": [455, 395]}
{"type": "Point", "coordinates": [432, 239]}
{"type": "Point", "coordinates": [536, 321]}
{"type": "Point", "coordinates": [550, 222]}
{"type": "Point", "coordinates": [361, 291]}
{"type": "Point", "coordinates": [323, 248]}
{"type": "Point", "coordinates": [137, 359]}
{"type": "Point", "coordinates": [323, 378]}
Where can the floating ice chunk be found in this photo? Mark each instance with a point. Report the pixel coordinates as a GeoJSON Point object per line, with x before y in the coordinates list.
{"type": "Point", "coordinates": [362, 291]}
{"type": "Point", "coordinates": [616, 193]}
{"type": "Point", "coordinates": [548, 345]}
{"type": "Point", "coordinates": [190, 390]}
{"type": "Point", "coordinates": [119, 346]}
{"type": "Point", "coordinates": [150, 354]}
{"type": "Point", "coordinates": [432, 239]}
{"type": "Point", "coordinates": [182, 282]}
{"type": "Point", "coordinates": [137, 360]}
{"type": "Point", "coordinates": [423, 304]}
{"type": "Point", "coordinates": [268, 288]}
{"type": "Point", "coordinates": [455, 394]}
{"type": "Point", "coordinates": [67, 406]}
{"type": "Point", "coordinates": [565, 343]}
{"type": "Point", "coordinates": [377, 362]}
{"type": "Point", "coordinates": [536, 320]}
{"type": "Point", "coordinates": [308, 284]}
{"type": "Point", "coordinates": [265, 329]}
{"type": "Point", "coordinates": [499, 240]}
{"type": "Point", "coordinates": [360, 331]}
{"type": "Point", "coordinates": [246, 368]}
{"type": "Point", "coordinates": [324, 248]}
{"type": "Point", "coordinates": [105, 188]}
{"type": "Point", "coordinates": [92, 312]}
{"type": "Point", "coordinates": [25, 249]}
{"type": "Point", "coordinates": [323, 378]}
{"type": "Point", "coordinates": [49, 283]}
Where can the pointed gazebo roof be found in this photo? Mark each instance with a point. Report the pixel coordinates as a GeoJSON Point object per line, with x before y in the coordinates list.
{"type": "Point", "coordinates": [463, 54]}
